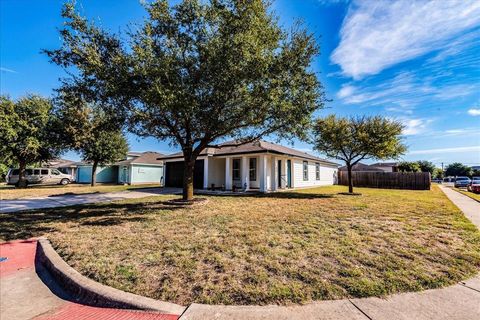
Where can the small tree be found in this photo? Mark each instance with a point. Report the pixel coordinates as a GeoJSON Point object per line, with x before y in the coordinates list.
{"type": "Point", "coordinates": [106, 148]}
{"type": "Point", "coordinates": [437, 173]}
{"type": "Point", "coordinates": [457, 169]}
{"type": "Point", "coordinates": [90, 131]}
{"type": "Point", "coordinates": [354, 139]}
{"type": "Point", "coordinates": [28, 132]}
{"type": "Point", "coordinates": [407, 166]}
{"type": "Point", "coordinates": [426, 166]}
{"type": "Point", "coordinates": [197, 72]}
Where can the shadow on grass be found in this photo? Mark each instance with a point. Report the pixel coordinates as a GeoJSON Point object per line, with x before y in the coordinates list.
{"type": "Point", "coordinates": [35, 223]}
{"type": "Point", "coordinates": [273, 195]}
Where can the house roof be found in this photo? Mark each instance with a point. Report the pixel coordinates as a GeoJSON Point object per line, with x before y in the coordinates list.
{"type": "Point", "coordinates": [60, 163]}
{"type": "Point", "coordinates": [259, 146]}
{"type": "Point", "coordinates": [385, 164]}
{"type": "Point", "coordinates": [361, 167]}
{"type": "Point", "coordinates": [149, 157]}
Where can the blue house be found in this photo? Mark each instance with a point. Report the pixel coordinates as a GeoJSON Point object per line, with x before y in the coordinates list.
{"type": "Point", "coordinates": [137, 168]}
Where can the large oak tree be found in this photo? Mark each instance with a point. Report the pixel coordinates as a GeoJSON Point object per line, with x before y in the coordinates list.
{"type": "Point", "coordinates": [197, 72]}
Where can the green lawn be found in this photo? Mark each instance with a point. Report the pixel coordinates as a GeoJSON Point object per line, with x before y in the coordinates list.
{"type": "Point", "coordinates": [8, 192]}
{"type": "Point", "coordinates": [474, 196]}
{"type": "Point", "coordinates": [280, 248]}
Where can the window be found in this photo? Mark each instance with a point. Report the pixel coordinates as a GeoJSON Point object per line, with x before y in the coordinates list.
{"type": "Point", "coordinates": [36, 172]}
{"type": "Point", "coordinates": [44, 172]}
{"type": "Point", "coordinates": [236, 169]}
{"type": "Point", "coordinates": [28, 172]}
{"type": "Point", "coordinates": [317, 171]}
{"type": "Point", "coordinates": [55, 172]}
{"type": "Point", "coordinates": [253, 169]}
{"type": "Point", "coordinates": [15, 172]}
{"type": "Point", "coordinates": [305, 170]}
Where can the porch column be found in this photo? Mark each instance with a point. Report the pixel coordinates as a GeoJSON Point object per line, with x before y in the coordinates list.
{"type": "Point", "coordinates": [263, 173]}
{"type": "Point", "coordinates": [205, 173]}
{"type": "Point", "coordinates": [228, 173]}
{"type": "Point", "coordinates": [275, 177]}
{"type": "Point", "coordinates": [245, 172]}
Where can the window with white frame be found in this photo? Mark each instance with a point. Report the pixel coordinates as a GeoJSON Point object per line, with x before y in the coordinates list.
{"type": "Point", "coordinates": [253, 169]}
{"type": "Point", "coordinates": [305, 170]}
{"type": "Point", "coordinates": [317, 171]}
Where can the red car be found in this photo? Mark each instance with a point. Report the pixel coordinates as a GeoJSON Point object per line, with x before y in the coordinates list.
{"type": "Point", "coordinates": [474, 185]}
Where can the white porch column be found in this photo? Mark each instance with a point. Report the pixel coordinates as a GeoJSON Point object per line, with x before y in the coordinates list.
{"type": "Point", "coordinates": [245, 172]}
{"type": "Point", "coordinates": [228, 173]}
{"type": "Point", "coordinates": [275, 176]}
{"type": "Point", "coordinates": [205, 173]}
{"type": "Point", "coordinates": [263, 173]}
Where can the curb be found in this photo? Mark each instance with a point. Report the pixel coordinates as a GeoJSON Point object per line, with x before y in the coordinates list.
{"type": "Point", "coordinates": [93, 293]}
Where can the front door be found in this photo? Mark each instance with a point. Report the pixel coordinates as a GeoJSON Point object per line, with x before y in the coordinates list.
{"type": "Point", "coordinates": [125, 174]}
{"type": "Point", "coordinates": [289, 173]}
{"type": "Point", "coordinates": [279, 173]}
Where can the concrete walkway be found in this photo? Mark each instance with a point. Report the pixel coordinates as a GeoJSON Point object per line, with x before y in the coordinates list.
{"type": "Point", "coordinates": [28, 292]}
{"type": "Point", "coordinates": [76, 199]}
{"type": "Point", "coordinates": [470, 207]}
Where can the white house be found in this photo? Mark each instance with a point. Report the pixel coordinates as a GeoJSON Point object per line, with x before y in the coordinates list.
{"type": "Point", "coordinates": [259, 165]}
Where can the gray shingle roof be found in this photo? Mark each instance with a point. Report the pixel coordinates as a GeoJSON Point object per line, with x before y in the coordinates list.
{"type": "Point", "coordinates": [260, 146]}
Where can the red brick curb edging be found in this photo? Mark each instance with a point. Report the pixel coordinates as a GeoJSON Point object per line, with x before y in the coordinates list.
{"type": "Point", "coordinates": [93, 293]}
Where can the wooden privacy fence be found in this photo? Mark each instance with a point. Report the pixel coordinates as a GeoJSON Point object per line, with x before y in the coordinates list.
{"type": "Point", "coordinates": [387, 180]}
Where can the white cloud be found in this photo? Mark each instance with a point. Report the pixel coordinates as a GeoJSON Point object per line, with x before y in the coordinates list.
{"type": "Point", "coordinates": [415, 126]}
{"type": "Point", "coordinates": [2, 69]}
{"type": "Point", "coordinates": [474, 112]}
{"type": "Point", "coordinates": [447, 150]}
{"type": "Point", "coordinates": [378, 34]}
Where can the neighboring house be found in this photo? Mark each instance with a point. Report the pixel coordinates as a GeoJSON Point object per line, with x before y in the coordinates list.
{"type": "Point", "coordinates": [137, 168]}
{"type": "Point", "coordinates": [259, 165]}
{"type": "Point", "coordinates": [386, 166]}
{"type": "Point", "coordinates": [65, 166]}
{"type": "Point", "coordinates": [362, 167]}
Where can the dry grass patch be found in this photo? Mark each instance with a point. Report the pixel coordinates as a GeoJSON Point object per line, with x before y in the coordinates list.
{"type": "Point", "coordinates": [281, 248]}
{"type": "Point", "coordinates": [10, 192]}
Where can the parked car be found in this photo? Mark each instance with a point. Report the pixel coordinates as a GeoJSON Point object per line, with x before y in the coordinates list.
{"type": "Point", "coordinates": [39, 176]}
{"type": "Point", "coordinates": [437, 180]}
{"type": "Point", "coordinates": [461, 182]}
{"type": "Point", "coordinates": [474, 185]}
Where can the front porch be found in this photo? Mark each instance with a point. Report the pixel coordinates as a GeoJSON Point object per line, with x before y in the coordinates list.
{"type": "Point", "coordinates": [259, 172]}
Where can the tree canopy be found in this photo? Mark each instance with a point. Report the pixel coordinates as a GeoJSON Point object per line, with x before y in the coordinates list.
{"type": "Point", "coordinates": [409, 166]}
{"type": "Point", "coordinates": [88, 130]}
{"type": "Point", "coordinates": [354, 139]}
{"type": "Point", "coordinates": [457, 169]}
{"type": "Point", "coordinates": [197, 72]}
{"type": "Point", "coordinates": [29, 132]}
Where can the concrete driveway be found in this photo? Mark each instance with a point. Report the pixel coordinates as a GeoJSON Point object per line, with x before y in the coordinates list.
{"type": "Point", "coordinates": [77, 199]}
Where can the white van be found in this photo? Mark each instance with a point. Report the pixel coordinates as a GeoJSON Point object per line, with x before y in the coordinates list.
{"type": "Point", "coordinates": [39, 176]}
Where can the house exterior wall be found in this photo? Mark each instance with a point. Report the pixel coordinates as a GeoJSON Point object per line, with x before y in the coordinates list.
{"type": "Point", "coordinates": [146, 174]}
{"type": "Point", "coordinates": [104, 174]}
{"type": "Point", "coordinates": [327, 174]}
{"type": "Point", "coordinates": [216, 172]}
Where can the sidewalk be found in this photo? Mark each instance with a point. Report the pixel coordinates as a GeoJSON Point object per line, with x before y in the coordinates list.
{"type": "Point", "coordinates": [470, 207]}
{"type": "Point", "coordinates": [27, 292]}
{"type": "Point", "coordinates": [76, 199]}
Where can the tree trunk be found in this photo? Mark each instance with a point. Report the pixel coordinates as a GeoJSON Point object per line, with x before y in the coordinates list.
{"type": "Point", "coordinates": [94, 173]}
{"type": "Point", "coordinates": [350, 180]}
{"type": "Point", "coordinates": [188, 179]}
{"type": "Point", "coordinates": [22, 180]}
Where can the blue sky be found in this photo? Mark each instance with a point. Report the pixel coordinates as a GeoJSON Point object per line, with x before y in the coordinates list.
{"type": "Point", "coordinates": [415, 61]}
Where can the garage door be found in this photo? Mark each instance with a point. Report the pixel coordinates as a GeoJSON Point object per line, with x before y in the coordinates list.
{"type": "Point", "coordinates": [174, 174]}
